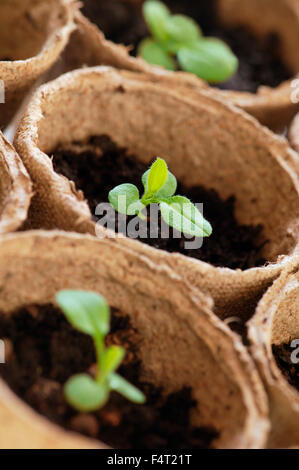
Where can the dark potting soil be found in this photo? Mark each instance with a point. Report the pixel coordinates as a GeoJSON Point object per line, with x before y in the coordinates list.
{"type": "Point", "coordinates": [104, 166]}
{"type": "Point", "coordinates": [282, 354]}
{"type": "Point", "coordinates": [43, 350]}
{"type": "Point", "coordinates": [259, 59]}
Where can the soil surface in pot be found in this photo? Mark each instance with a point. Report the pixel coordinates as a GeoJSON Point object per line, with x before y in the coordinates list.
{"type": "Point", "coordinates": [259, 59]}
{"type": "Point", "coordinates": [43, 350]}
{"type": "Point", "coordinates": [100, 165]}
{"type": "Point", "coordinates": [283, 357]}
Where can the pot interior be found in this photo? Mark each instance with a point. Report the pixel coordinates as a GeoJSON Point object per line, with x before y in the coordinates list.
{"type": "Point", "coordinates": [25, 26]}
{"type": "Point", "coordinates": [178, 345]}
{"type": "Point", "coordinates": [207, 145]}
{"type": "Point", "coordinates": [37, 371]}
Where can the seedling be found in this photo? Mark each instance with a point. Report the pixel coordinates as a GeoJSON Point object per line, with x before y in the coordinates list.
{"type": "Point", "coordinates": [89, 313]}
{"type": "Point", "coordinates": [159, 188]}
{"type": "Point", "coordinates": [177, 41]}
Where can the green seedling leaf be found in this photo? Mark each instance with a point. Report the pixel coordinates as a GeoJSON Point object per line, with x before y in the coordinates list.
{"type": "Point", "coordinates": [177, 211]}
{"type": "Point", "coordinates": [181, 31]}
{"type": "Point", "coordinates": [156, 14]}
{"type": "Point", "coordinates": [180, 213]}
{"type": "Point", "coordinates": [123, 387]}
{"type": "Point", "coordinates": [157, 176]}
{"type": "Point", "coordinates": [169, 187]}
{"type": "Point", "coordinates": [89, 313]}
{"type": "Point", "coordinates": [86, 311]}
{"type": "Point", "coordinates": [178, 35]}
{"type": "Point", "coordinates": [125, 199]}
{"type": "Point", "coordinates": [84, 394]}
{"type": "Point", "coordinates": [153, 53]}
{"type": "Point", "coordinates": [209, 59]}
{"type": "Point", "coordinates": [112, 359]}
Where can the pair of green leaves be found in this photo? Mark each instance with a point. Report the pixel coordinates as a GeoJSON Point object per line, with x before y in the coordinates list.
{"type": "Point", "coordinates": [178, 39]}
{"type": "Point", "coordinates": [89, 313]}
{"type": "Point", "coordinates": [159, 188]}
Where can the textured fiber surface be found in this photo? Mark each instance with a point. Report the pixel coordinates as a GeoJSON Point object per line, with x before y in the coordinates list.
{"type": "Point", "coordinates": [15, 189]}
{"type": "Point", "coordinates": [272, 106]}
{"type": "Point", "coordinates": [206, 143]}
{"type": "Point", "coordinates": [277, 322]}
{"type": "Point", "coordinates": [33, 33]}
{"type": "Point", "coordinates": [182, 342]}
{"type": "Point", "coordinates": [294, 133]}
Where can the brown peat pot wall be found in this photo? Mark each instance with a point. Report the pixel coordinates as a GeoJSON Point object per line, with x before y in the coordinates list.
{"type": "Point", "coordinates": [294, 133]}
{"type": "Point", "coordinates": [15, 189]}
{"type": "Point", "coordinates": [206, 143]}
{"type": "Point", "coordinates": [182, 344]}
{"type": "Point", "coordinates": [272, 105]}
{"type": "Point", "coordinates": [33, 33]}
{"type": "Point", "coordinates": [272, 329]}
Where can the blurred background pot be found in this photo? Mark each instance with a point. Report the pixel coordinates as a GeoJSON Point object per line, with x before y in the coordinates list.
{"type": "Point", "coordinates": [267, 20]}
{"type": "Point", "coordinates": [33, 33]}
{"type": "Point", "coordinates": [15, 189]}
{"type": "Point", "coordinates": [274, 326]}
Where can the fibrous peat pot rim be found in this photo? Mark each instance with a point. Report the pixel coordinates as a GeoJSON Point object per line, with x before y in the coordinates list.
{"type": "Point", "coordinates": [169, 316]}
{"type": "Point", "coordinates": [275, 323]}
{"type": "Point", "coordinates": [15, 189]}
{"type": "Point", "coordinates": [294, 133]}
{"type": "Point", "coordinates": [272, 106]}
{"type": "Point", "coordinates": [47, 26]}
{"type": "Point", "coordinates": [244, 159]}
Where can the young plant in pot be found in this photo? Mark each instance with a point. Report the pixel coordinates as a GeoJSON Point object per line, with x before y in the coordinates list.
{"type": "Point", "coordinates": [40, 32]}
{"type": "Point", "coordinates": [159, 188]}
{"type": "Point", "coordinates": [108, 134]}
{"type": "Point", "coordinates": [89, 313]}
{"type": "Point", "coordinates": [182, 35]}
{"type": "Point", "coordinates": [15, 189]}
{"type": "Point", "coordinates": [200, 384]}
{"type": "Point", "coordinates": [274, 338]}
{"type": "Point", "coordinates": [177, 42]}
